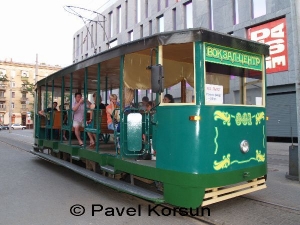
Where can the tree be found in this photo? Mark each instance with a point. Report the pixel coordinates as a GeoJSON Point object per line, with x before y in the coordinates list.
{"type": "Point", "coordinates": [3, 76]}
{"type": "Point", "coordinates": [28, 87]}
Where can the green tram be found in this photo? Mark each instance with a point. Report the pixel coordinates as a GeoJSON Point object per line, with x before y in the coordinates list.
{"type": "Point", "coordinates": [209, 145]}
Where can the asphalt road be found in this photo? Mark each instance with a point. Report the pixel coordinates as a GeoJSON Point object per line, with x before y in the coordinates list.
{"type": "Point", "coordinates": [34, 191]}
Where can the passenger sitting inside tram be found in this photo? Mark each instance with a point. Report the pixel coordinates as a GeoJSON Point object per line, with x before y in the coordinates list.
{"type": "Point", "coordinates": [47, 113]}
{"type": "Point", "coordinates": [65, 120]}
{"type": "Point", "coordinates": [168, 98]}
{"type": "Point", "coordinates": [149, 106]}
{"type": "Point", "coordinates": [89, 122]}
{"type": "Point", "coordinates": [48, 110]}
{"type": "Point", "coordinates": [145, 101]}
{"type": "Point", "coordinates": [110, 109]}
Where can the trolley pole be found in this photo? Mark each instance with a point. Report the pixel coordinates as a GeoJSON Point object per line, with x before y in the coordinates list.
{"type": "Point", "coordinates": [295, 15]}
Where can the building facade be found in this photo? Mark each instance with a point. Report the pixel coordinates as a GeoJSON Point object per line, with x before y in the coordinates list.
{"type": "Point", "coordinates": [16, 86]}
{"type": "Point", "coordinates": [267, 21]}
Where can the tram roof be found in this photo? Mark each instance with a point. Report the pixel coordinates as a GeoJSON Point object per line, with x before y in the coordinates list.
{"type": "Point", "coordinates": [165, 38]}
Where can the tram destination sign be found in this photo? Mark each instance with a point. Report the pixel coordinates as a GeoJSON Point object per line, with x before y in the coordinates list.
{"type": "Point", "coordinates": [232, 57]}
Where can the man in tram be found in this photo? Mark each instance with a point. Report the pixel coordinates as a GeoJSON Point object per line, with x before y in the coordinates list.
{"type": "Point", "coordinates": [78, 116]}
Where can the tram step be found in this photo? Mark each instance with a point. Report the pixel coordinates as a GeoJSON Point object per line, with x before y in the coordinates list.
{"type": "Point", "coordinates": [55, 150]}
{"type": "Point", "coordinates": [110, 182]}
{"type": "Point", "coordinates": [109, 169]}
{"type": "Point", "coordinates": [77, 158]}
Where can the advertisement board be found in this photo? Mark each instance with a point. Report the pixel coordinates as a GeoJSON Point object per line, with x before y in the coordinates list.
{"type": "Point", "coordinates": [274, 34]}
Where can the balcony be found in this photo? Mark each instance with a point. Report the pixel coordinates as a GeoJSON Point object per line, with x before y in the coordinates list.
{"type": "Point", "coordinates": [24, 89]}
{"type": "Point", "coordinates": [24, 110]}
{"type": "Point", "coordinates": [23, 99]}
{"type": "Point", "coordinates": [2, 87]}
{"type": "Point", "coordinates": [3, 108]}
{"type": "Point", "coordinates": [24, 78]}
{"type": "Point", "coordinates": [2, 99]}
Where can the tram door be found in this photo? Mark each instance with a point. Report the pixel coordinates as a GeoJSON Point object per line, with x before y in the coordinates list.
{"type": "Point", "coordinates": [133, 124]}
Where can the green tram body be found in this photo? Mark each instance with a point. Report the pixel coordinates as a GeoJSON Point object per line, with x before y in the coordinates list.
{"type": "Point", "coordinates": [198, 155]}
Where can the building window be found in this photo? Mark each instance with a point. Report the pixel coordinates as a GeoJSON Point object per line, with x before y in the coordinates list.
{"type": "Point", "coordinates": [13, 94]}
{"type": "Point", "coordinates": [99, 49]}
{"type": "Point", "coordinates": [138, 9]}
{"type": "Point", "coordinates": [120, 19]}
{"type": "Point", "coordinates": [87, 39]}
{"type": "Point", "coordinates": [23, 106]}
{"type": "Point", "coordinates": [12, 74]}
{"type": "Point", "coordinates": [2, 94]}
{"type": "Point", "coordinates": [160, 24]}
{"type": "Point", "coordinates": [211, 11]}
{"type": "Point", "coordinates": [73, 47]}
{"type": "Point", "coordinates": [111, 24]}
{"type": "Point", "coordinates": [150, 27]}
{"type": "Point", "coordinates": [12, 105]}
{"type": "Point", "coordinates": [81, 44]}
{"type": "Point", "coordinates": [146, 8]}
{"type": "Point", "coordinates": [158, 5]}
{"type": "Point", "coordinates": [167, 3]}
{"type": "Point", "coordinates": [23, 95]}
{"type": "Point", "coordinates": [141, 31]}
{"type": "Point", "coordinates": [258, 8]}
{"type": "Point", "coordinates": [77, 46]}
{"type": "Point", "coordinates": [92, 35]}
{"type": "Point", "coordinates": [236, 12]}
{"type": "Point", "coordinates": [174, 18]}
{"type": "Point", "coordinates": [96, 33]}
{"type": "Point", "coordinates": [113, 43]}
{"type": "Point", "coordinates": [13, 84]}
{"type": "Point", "coordinates": [126, 14]}
{"type": "Point", "coordinates": [130, 35]}
{"type": "Point", "coordinates": [189, 15]}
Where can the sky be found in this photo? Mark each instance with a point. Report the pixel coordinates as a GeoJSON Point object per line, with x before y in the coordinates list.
{"type": "Point", "coordinates": [40, 27]}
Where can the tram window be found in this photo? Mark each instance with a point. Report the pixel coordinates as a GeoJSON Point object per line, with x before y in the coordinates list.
{"type": "Point", "coordinates": [178, 62]}
{"type": "Point", "coordinates": [233, 85]}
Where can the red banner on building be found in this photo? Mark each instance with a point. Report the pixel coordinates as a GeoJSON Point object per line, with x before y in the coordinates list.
{"type": "Point", "coordinates": [273, 34]}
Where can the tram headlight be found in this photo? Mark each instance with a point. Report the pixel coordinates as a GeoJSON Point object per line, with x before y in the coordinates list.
{"type": "Point", "coordinates": [244, 146]}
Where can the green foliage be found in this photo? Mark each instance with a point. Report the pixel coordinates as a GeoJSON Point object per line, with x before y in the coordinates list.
{"type": "Point", "coordinates": [29, 87]}
{"type": "Point", "coordinates": [3, 78]}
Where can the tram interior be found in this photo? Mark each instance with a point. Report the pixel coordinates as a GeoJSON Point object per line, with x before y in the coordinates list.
{"type": "Point", "coordinates": [179, 78]}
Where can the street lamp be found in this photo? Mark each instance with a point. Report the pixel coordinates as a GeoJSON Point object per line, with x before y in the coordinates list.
{"type": "Point", "coordinates": [10, 97]}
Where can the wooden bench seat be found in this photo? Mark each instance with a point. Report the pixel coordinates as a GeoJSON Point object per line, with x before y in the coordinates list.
{"type": "Point", "coordinates": [57, 123]}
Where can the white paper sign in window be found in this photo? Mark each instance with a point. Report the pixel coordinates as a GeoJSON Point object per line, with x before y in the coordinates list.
{"type": "Point", "coordinates": [213, 94]}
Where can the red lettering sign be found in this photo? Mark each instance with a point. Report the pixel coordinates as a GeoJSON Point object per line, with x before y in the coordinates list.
{"type": "Point", "coordinates": [273, 34]}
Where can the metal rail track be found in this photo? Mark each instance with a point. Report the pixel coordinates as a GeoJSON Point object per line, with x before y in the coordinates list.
{"type": "Point", "coordinates": [291, 209]}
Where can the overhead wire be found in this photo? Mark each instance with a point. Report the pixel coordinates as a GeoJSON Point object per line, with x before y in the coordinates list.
{"type": "Point", "coordinates": [71, 9]}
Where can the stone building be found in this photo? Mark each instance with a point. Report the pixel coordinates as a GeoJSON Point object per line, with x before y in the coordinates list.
{"type": "Point", "coordinates": [21, 78]}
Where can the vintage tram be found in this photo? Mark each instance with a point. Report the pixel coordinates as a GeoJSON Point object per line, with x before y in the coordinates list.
{"type": "Point", "coordinates": [207, 146]}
